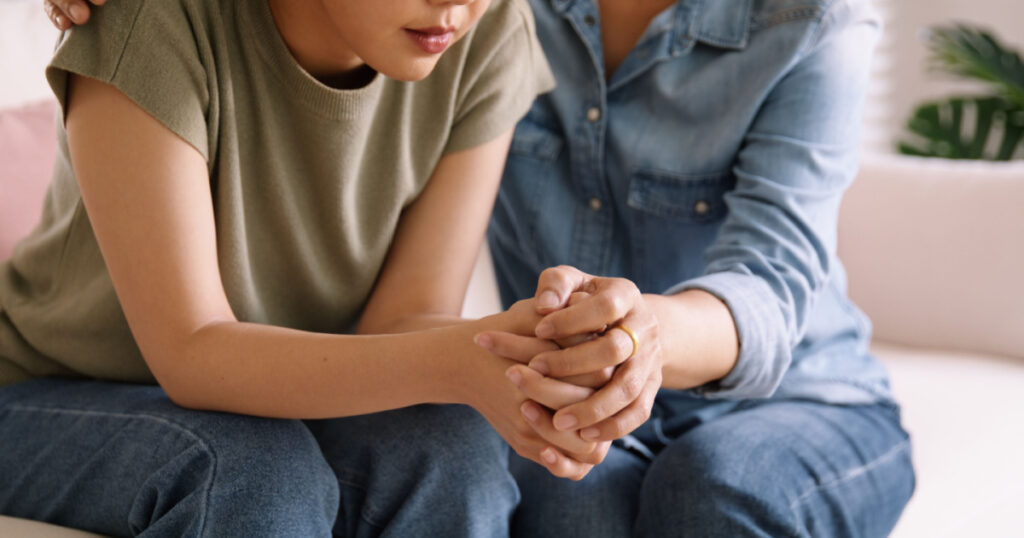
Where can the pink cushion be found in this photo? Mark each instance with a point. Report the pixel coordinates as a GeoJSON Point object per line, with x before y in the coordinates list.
{"type": "Point", "coordinates": [28, 144]}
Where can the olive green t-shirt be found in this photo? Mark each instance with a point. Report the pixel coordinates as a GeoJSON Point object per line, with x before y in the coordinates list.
{"type": "Point", "coordinates": [307, 181]}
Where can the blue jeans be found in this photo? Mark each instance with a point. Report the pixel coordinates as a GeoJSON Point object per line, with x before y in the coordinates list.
{"type": "Point", "coordinates": [123, 460]}
{"type": "Point", "coordinates": [761, 468]}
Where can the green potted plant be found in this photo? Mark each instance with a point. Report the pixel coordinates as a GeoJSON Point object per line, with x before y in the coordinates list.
{"type": "Point", "coordinates": [985, 127]}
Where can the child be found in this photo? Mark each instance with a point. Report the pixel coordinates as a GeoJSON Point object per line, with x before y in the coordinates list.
{"type": "Point", "coordinates": [240, 184]}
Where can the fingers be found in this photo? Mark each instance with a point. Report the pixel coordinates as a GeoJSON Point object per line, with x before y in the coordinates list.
{"type": "Point", "coordinates": [556, 284]}
{"type": "Point", "coordinates": [64, 13]}
{"type": "Point", "coordinates": [562, 466]}
{"type": "Point", "coordinates": [570, 442]}
{"type": "Point", "coordinates": [594, 380]}
{"type": "Point", "coordinates": [512, 346]}
{"type": "Point", "coordinates": [608, 350]}
{"type": "Point", "coordinates": [632, 380]}
{"type": "Point", "coordinates": [609, 301]}
{"type": "Point", "coordinates": [569, 457]}
{"type": "Point", "coordinates": [625, 421]}
{"type": "Point", "coordinates": [546, 391]}
{"type": "Point", "coordinates": [57, 17]}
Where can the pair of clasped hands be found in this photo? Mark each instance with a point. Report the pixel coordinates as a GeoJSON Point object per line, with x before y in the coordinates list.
{"type": "Point", "coordinates": [581, 380]}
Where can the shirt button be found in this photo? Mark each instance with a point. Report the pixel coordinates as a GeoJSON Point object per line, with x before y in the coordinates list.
{"type": "Point", "coordinates": [589, 20]}
{"type": "Point", "coordinates": [593, 114]}
{"type": "Point", "coordinates": [701, 207]}
{"type": "Point", "coordinates": [595, 204]}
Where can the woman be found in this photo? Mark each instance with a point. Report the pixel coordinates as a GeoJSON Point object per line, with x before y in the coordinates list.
{"type": "Point", "coordinates": [698, 151]}
{"type": "Point", "coordinates": [237, 183]}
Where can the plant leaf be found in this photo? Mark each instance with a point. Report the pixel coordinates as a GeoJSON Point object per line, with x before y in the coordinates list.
{"type": "Point", "coordinates": [974, 53]}
{"type": "Point", "coordinates": [944, 129]}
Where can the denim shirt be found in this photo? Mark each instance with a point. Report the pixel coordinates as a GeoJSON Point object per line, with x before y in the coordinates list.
{"type": "Point", "coordinates": [714, 158]}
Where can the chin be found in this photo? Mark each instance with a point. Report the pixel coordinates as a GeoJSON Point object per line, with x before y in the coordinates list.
{"type": "Point", "coordinates": [409, 71]}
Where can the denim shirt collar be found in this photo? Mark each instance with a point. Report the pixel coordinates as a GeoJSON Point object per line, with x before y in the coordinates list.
{"type": "Point", "coordinates": [719, 23]}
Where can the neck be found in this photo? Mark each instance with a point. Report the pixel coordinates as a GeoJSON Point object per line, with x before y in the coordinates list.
{"type": "Point", "coordinates": [315, 44]}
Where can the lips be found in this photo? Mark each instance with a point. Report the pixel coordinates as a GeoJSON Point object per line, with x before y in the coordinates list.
{"type": "Point", "coordinates": [432, 40]}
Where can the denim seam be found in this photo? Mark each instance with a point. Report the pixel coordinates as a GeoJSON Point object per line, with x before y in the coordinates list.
{"type": "Point", "coordinates": [369, 511]}
{"type": "Point", "coordinates": [765, 21]}
{"type": "Point", "coordinates": [852, 474]}
{"type": "Point", "coordinates": [199, 440]}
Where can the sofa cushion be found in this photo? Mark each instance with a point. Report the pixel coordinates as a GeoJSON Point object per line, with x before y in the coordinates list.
{"type": "Point", "coordinates": [28, 144]}
{"type": "Point", "coordinates": [963, 412]}
{"type": "Point", "coordinates": [934, 251]}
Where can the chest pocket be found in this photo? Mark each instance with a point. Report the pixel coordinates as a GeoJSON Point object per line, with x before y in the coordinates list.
{"type": "Point", "coordinates": [692, 198]}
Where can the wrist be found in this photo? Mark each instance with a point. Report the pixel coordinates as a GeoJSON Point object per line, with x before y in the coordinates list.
{"type": "Point", "coordinates": [699, 340]}
{"type": "Point", "coordinates": [461, 365]}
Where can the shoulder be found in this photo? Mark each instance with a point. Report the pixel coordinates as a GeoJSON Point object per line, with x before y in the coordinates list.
{"type": "Point", "coordinates": [787, 23]}
{"type": "Point", "coordinates": [120, 24]}
{"type": "Point", "coordinates": [808, 15]}
{"type": "Point", "coordinates": [150, 50]}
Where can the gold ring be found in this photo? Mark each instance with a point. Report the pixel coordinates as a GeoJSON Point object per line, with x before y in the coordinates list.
{"type": "Point", "coordinates": [632, 336]}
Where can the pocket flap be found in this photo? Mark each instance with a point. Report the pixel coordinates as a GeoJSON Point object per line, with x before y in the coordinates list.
{"type": "Point", "coordinates": [695, 198]}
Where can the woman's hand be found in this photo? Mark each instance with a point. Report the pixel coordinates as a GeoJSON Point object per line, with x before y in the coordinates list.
{"type": "Point", "coordinates": [64, 13]}
{"type": "Point", "coordinates": [625, 401]}
{"type": "Point", "coordinates": [524, 424]}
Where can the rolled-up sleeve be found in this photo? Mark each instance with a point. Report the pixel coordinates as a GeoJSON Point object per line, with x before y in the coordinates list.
{"type": "Point", "coordinates": [776, 247]}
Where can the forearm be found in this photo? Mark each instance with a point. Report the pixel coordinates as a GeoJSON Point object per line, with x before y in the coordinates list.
{"type": "Point", "coordinates": [416, 322]}
{"type": "Point", "coordinates": [276, 372]}
{"type": "Point", "coordinates": [698, 337]}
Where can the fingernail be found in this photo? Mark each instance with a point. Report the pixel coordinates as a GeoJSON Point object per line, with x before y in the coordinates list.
{"type": "Point", "coordinates": [565, 422]}
{"type": "Point", "coordinates": [540, 366]}
{"type": "Point", "coordinates": [548, 299]}
{"type": "Point", "coordinates": [590, 433]}
{"type": "Point", "coordinates": [59, 19]}
{"type": "Point", "coordinates": [548, 456]}
{"type": "Point", "coordinates": [483, 340]}
{"type": "Point", "coordinates": [76, 12]}
{"type": "Point", "coordinates": [514, 376]}
{"type": "Point", "coordinates": [545, 330]}
{"type": "Point", "coordinates": [530, 412]}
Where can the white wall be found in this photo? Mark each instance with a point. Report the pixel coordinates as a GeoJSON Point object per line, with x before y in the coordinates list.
{"type": "Point", "coordinates": [26, 42]}
{"type": "Point", "coordinates": [903, 57]}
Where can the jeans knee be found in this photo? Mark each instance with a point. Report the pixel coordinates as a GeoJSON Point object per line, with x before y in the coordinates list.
{"type": "Point", "coordinates": [419, 439]}
{"type": "Point", "coordinates": [713, 491]}
{"type": "Point", "coordinates": [427, 462]}
{"type": "Point", "coordinates": [268, 473]}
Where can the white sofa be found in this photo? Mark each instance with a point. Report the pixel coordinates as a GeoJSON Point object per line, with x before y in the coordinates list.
{"type": "Point", "coordinates": [933, 250]}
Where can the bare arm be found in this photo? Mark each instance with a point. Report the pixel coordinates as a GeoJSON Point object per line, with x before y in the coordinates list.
{"type": "Point", "coordinates": [423, 283]}
{"type": "Point", "coordinates": [147, 195]}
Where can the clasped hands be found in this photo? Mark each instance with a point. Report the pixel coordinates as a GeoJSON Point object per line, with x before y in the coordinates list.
{"type": "Point", "coordinates": [579, 382]}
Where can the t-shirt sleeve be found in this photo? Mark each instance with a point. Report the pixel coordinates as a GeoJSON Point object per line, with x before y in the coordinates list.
{"type": "Point", "coordinates": [505, 71]}
{"type": "Point", "coordinates": [147, 50]}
